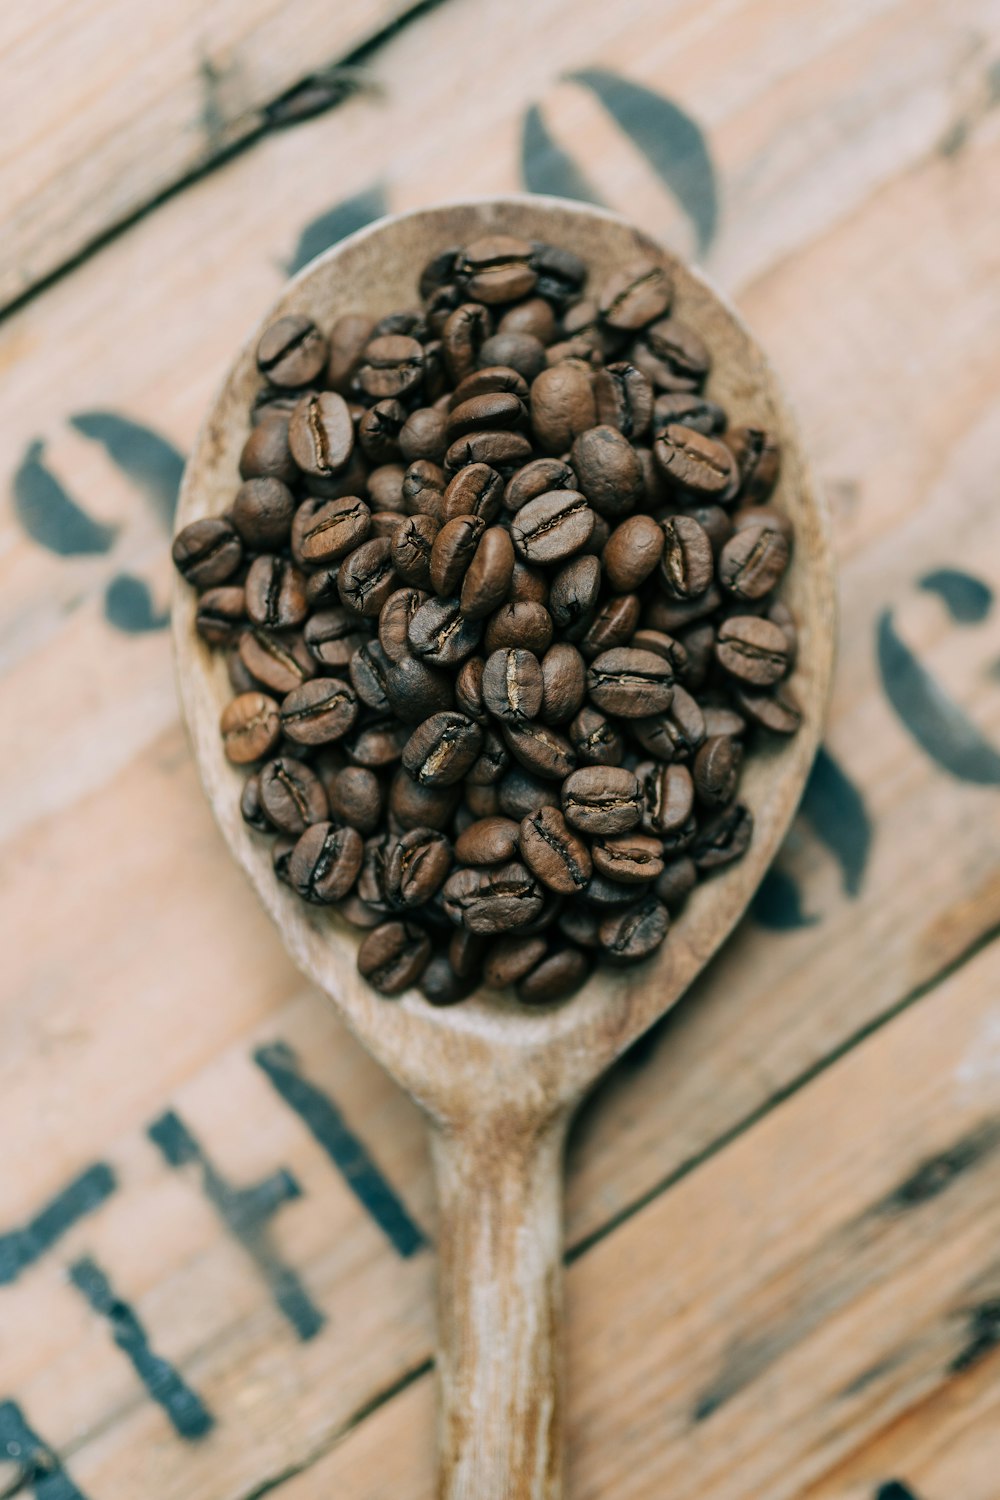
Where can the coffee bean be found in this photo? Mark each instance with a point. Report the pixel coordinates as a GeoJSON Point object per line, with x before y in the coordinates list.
{"type": "Point", "coordinates": [250, 809]}
{"type": "Point", "coordinates": [466, 951]}
{"type": "Point", "coordinates": [623, 397]}
{"type": "Point", "coordinates": [562, 404]}
{"type": "Point", "coordinates": [752, 649]}
{"type": "Point", "coordinates": [753, 562]}
{"type": "Point", "coordinates": [325, 862]}
{"type": "Point", "coordinates": [522, 623]}
{"type": "Point", "coordinates": [221, 613]}
{"type": "Point", "coordinates": [291, 351]}
{"type": "Point", "coordinates": [574, 591]}
{"type": "Point", "coordinates": [376, 742]}
{"type": "Point", "coordinates": [385, 488]}
{"type": "Point", "coordinates": [635, 294]}
{"type": "Point", "coordinates": [673, 355]}
{"type": "Point", "coordinates": [512, 684]}
{"type": "Point", "coordinates": [509, 959]}
{"type": "Point", "coordinates": [266, 453]}
{"type": "Point", "coordinates": [667, 797]}
{"type": "Point", "coordinates": [280, 661]}
{"type": "Point", "coordinates": [262, 513]}
{"type": "Point", "coordinates": [635, 933]}
{"type": "Point", "coordinates": [758, 458]}
{"type": "Point", "coordinates": [476, 490]}
{"type": "Point", "coordinates": [324, 532]}
{"type": "Point", "coordinates": [423, 488]}
{"type": "Point", "coordinates": [415, 690]}
{"type": "Point", "coordinates": [670, 615]}
{"type": "Point", "coordinates": [490, 380]}
{"type": "Point", "coordinates": [441, 634]}
{"type": "Point", "coordinates": [469, 689]}
{"type": "Point", "coordinates": [369, 667]}
{"type": "Point", "coordinates": [422, 435]}
{"type": "Point", "coordinates": [720, 720]}
{"type": "Point", "coordinates": [497, 268]}
{"type": "Point", "coordinates": [520, 793]}
{"type": "Point", "coordinates": [553, 852]}
{"type": "Point", "coordinates": [489, 841]}
{"type": "Point", "coordinates": [596, 739]}
{"type": "Point", "coordinates": [415, 805]}
{"type": "Point", "coordinates": [685, 723]}
{"type": "Point", "coordinates": [561, 274]}
{"type": "Point", "coordinates": [527, 585]}
{"type": "Point", "coordinates": [482, 801]}
{"type": "Point", "coordinates": [275, 593]}
{"type": "Point", "coordinates": [716, 770]}
{"type": "Point", "coordinates": [379, 430]}
{"type": "Point", "coordinates": [632, 552]}
{"type": "Point", "coordinates": [522, 352]}
{"type": "Point", "coordinates": [538, 478]}
{"type": "Point", "coordinates": [367, 577]}
{"type": "Point", "coordinates": [608, 470]}
{"type": "Point", "coordinates": [281, 853]}
{"type": "Point", "coordinates": [332, 637]}
{"type": "Point", "coordinates": [393, 956]}
{"type": "Point", "coordinates": [442, 749]}
{"type": "Point", "coordinates": [698, 465]}
{"type": "Point", "coordinates": [564, 683]}
{"type": "Point", "coordinates": [761, 515]}
{"type": "Point", "coordinates": [534, 315]}
{"type": "Point", "coordinates": [690, 410]}
{"type": "Point", "coordinates": [495, 412]}
{"type": "Point", "coordinates": [463, 336]}
{"type": "Point", "coordinates": [439, 270]}
{"type": "Point", "coordinates": [319, 712]}
{"type": "Point", "coordinates": [411, 550]}
{"type": "Point", "coordinates": [601, 799]}
{"type": "Point", "coordinates": [454, 548]}
{"type": "Point", "coordinates": [414, 866]}
{"type": "Point", "coordinates": [292, 795]}
{"type": "Point", "coordinates": [207, 552]}
{"type": "Point", "coordinates": [698, 645]}
{"type": "Point", "coordinates": [488, 575]}
{"type": "Point", "coordinates": [778, 712]}
{"type": "Point", "coordinates": [392, 365]}
{"type": "Point", "coordinates": [614, 624]}
{"type": "Point", "coordinates": [663, 645]}
{"type": "Point", "coordinates": [498, 899]}
{"type": "Point", "coordinates": [321, 434]}
{"type": "Point", "coordinates": [552, 527]}
{"type": "Point", "coordinates": [632, 684]}
{"type": "Point", "coordinates": [440, 985]}
{"type": "Point", "coordinates": [555, 977]}
{"type": "Point", "coordinates": [503, 451]}
{"type": "Point", "coordinates": [348, 337]}
{"type": "Point", "coordinates": [629, 858]}
{"type": "Point", "coordinates": [355, 797]}
{"type": "Point", "coordinates": [250, 727]}
{"type": "Point", "coordinates": [491, 763]}
{"type": "Point", "coordinates": [541, 750]}
{"type": "Point", "coordinates": [724, 839]}
{"type": "Point", "coordinates": [394, 621]}
{"type": "Point", "coordinates": [688, 563]}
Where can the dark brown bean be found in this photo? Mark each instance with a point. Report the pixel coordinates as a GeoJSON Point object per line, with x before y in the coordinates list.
{"type": "Point", "coordinates": [724, 839]}
{"type": "Point", "coordinates": [629, 858]}
{"type": "Point", "coordinates": [688, 563]}
{"type": "Point", "coordinates": [509, 959]}
{"type": "Point", "coordinates": [497, 899]}
{"type": "Point", "coordinates": [367, 577]}
{"type": "Point", "coordinates": [319, 712]}
{"type": "Point", "coordinates": [503, 451]}
{"type": "Point", "coordinates": [613, 624]}
{"type": "Point", "coordinates": [624, 399]}
{"type": "Point", "coordinates": [414, 866]}
{"type": "Point", "coordinates": [778, 712]}
{"type": "Point", "coordinates": [635, 294]}
{"type": "Point", "coordinates": [411, 550]}
{"type": "Point", "coordinates": [441, 634]}
{"type": "Point", "coordinates": [279, 660]}
{"type": "Point", "coordinates": [632, 552]}
{"type": "Point", "coordinates": [207, 552]}
{"type": "Point", "coordinates": [489, 841]}
{"type": "Point", "coordinates": [393, 956]}
{"type": "Point", "coordinates": [716, 770]}
{"type": "Point", "coordinates": [557, 855]}
{"type": "Point", "coordinates": [490, 380]}
{"type": "Point", "coordinates": [522, 623]}
{"type": "Point", "coordinates": [699, 465]}
{"type": "Point", "coordinates": [601, 799]}
{"type": "Point", "coordinates": [758, 458]}
{"type": "Point", "coordinates": [454, 548]}
{"type": "Point", "coordinates": [596, 739]}
{"type": "Point", "coordinates": [552, 527]}
{"type": "Point", "coordinates": [753, 562]}
{"type": "Point", "coordinates": [497, 268]}
{"type": "Point", "coordinates": [292, 795]}
{"type": "Point", "coordinates": [262, 513]}
{"type": "Point", "coordinates": [496, 411]}
{"type": "Point", "coordinates": [325, 862]}
{"type": "Point", "coordinates": [323, 532]}
{"type": "Point", "coordinates": [562, 404]}
{"type": "Point", "coordinates": [752, 649]}
{"type": "Point", "coordinates": [415, 805]}
{"type": "Point", "coordinates": [291, 351]}
{"type": "Point", "coordinates": [355, 797]}
{"type": "Point", "coordinates": [667, 797]}
{"type": "Point", "coordinates": [463, 336]}
{"type": "Point", "coordinates": [673, 355]}
{"type": "Point", "coordinates": [348, 337]}
{"type": "Point", "coordinates": [250, 727]}
{"type": "Point", "coordinates": [221, 614]}
{"type": "Point", "coordinates": [321, 434]}
{"type": "Point", "coordinates": [476, 490]}
{"type": "Point", "coordinates": [266, 454]}
{"type": "Point", "coordinates": [488, 576]}
{"type": "Point", "coordinates": [558, 975]}
{"type": "Point", "coordinates": [564, 683]}
{"type": "Point", "coordinates": [636, 932]}
{"type": "Point", "coordinates": [608, 470]}
{"type": "Point", "coordinates": [442, 748]}
{"type": "Point", "coordinates": [632, 684]}
{"type": "Point", "coordinates": [518, 351]}
{"type": "Point", "coordinates": [275, 593]}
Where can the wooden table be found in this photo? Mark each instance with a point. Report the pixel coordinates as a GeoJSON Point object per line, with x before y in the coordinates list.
{"type": "Point", "coordinates": [216, 1228]}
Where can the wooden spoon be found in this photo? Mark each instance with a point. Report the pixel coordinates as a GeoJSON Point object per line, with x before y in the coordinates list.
{"type": "Point", "coordinates": [499, 1082]}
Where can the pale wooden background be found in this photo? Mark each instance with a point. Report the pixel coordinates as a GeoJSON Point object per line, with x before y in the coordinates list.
{"type": "Point", "coordinates": [784, 1210]}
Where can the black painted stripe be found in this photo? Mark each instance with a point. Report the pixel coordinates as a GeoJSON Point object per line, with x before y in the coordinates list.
{"type": "Point", "coordinates": [41, 1470]}
{"type": "Point", "coordinates": [836, 809]}
{"type": "Point", "coordinates": [129, 606]}
{"type": "Point", "coordinates": [968, 600]}
{"type": "Point", "coordinates": [50, 515]}
{"type": "Point", "coordinates": [546, 167]}
{"type": "Point", "coordinates": [152, 462]}
{"type": "Point", "coordinates": [20, 1248]}
{"type": "Point", "coordinates": [336, 224]}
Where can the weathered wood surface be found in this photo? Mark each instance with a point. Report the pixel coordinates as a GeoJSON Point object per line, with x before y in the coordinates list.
{"type": "Point", "coordinates": [858, 169]}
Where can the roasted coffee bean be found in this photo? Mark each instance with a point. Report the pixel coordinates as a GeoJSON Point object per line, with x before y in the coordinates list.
{"type": "Point", "coordinates": [509, 959]}
{"type": "Point", "coordinates": [686, 723]}
{"type": "Point", "coordinates": [698, 465]}
{"type": "Point", "coordinates": [326, 531]}
{"type": "Point", "coordinates": [221, 613]}
{"type": "Point", "coordinates": [558, 975]}
{"type": "Point", "coordinates": [332, 636]}
{"type": "Point", "coordinates": [379, 431]}
{"type": "Point", "coordinates": [476, 490]}
{"type": "Point", "coordinates": [632, 552]}
{"type": "Point", "coordinates": [512, 684]}
{"type": "Point", "coordinates": [602, 799]}
{"type": "Point", "coordinates": [629, 858]}
{"type": "Point", "coordinates": [207, 552]}
{"type": "Point", "coordinates": [503, 451]}
{"type": "Point", "coordinates": [776, 711]}
{"type": "Point", "coordinates": [690, 410]}
{"type": "Point", "coordinates": [275, 593]}
{"type": "Point", "coordinates": [376, 742]}
{"type": "Point", "coordinates": [562, 404]}
{"type": "Point", "coordinates": [698, 645]}
{"type": "Point", "coordinates": [414, 866]}
{"type": "Point", "coordinates": [392, 365]}
{"type": "Point", "coordinates": [667, 797]}
{"type": "Point", "coordinates": [561, 274]}
{"type": "Point", "coordinates": [348, 337]}
{"type": "Point", "coordinates": [291, 351]}
{"type": "Point", "coordinates": [534, 315]}
{"type": "Point", "coordinates": [393, 956]}
{"type": "Point", "coordinates": [454, 548]}
{"type": "Point", "coordinates": [440, 270]}
{"type": "Point", "coordinates": [319, 712]}
{"type": "Point", "coordinates": [441, 634]}
{"type": "Point", "coordinates": [482, 801]}
{"type": "Point", "coordinates": [541, 750]}
{"type": "Point", "coordinates": [409, 321]}
{"type": "Point", "coordinates": [596, 739]}
{"type": "Point", "coordinates": [270, 401]}
{"type": "Point", "coordinates": [752, 649]}
{"type": "Point", "coordinates": [613, 624]}
{"type": "Point", "coordinates": [358, 913]}
{"type": "Point", "coordinates": [753, 562]}
{"type": "Point", "coordinates": [758, 458]}
{"type": "Point", "coordinates": [462, 337]}
{"type": "Point", "coordinates": [497, 268]}
{"type": "Point", "coordinates": [262, 513]}
{"type": "Point", "coordinates": [673, 355]}
{"type": "Point", "coordinates": [663, 645]}
{"type": "Point", "coordinates": [423, 488]}
{"type": "Point", "coordinates": [624, 399]}
{"type": "Point", "coordinates": [497, 899]}
{"type": "Point", "coordinates": [553, 852]}
{"type": "Point", "coordinates": [250, 809]}
{"type": "Point", "coordinates": [605, 895]}
{"type": "Point", "coordinates": [422, 435]}
{"type": "Point", "coordinates": [281, 854]}
{"type": "Point", "coordinates": [325, 862]}
{"type": "Point", "coordinates": [495, 412]}
{"type": "Point", "coordinates": [527, 585]}
{"type": "Point", "coordinates": [442, 749]}
{"type": "Point", "coordinates": [266, 453]}
{"type": "Point", "coordinates": [367, 577]}
{"type": "Point", "coordinates": [369, 668]}
{"type": "Point", "coordinates": [321, 434]}
{"type": "Point", "coordinates": [720, 719]}
{"type": "Point", "coordinates": [724, 839]}
{"type": "Point", "coordinates": [687, 565]}
{"type": "Point", "coordinates": [411, 550]}
{"type": "Point", "coordinates": [716, 770]}
{"type": "Point", "coordinates": [522, 623]}
{"type": "Point", "coordinates": [280, 661]}
{"type": "Point", "coordinates": [240, 680]}
{"type": "Point", "coordinates": [250, 727]}
{"type": "Point", "coordinates": [579, 923]}
{"type": "Point", "coordinates": [636, 932]}
{"type": "Point", "coordinates": [676, 882]}
{"type": "Point", "coordinates": [415, 805]}
{"type": "Point", "coordinates": [715, 522]}
{"type": "Point", "coordinates": [779, 614]}
{"type": "Point", "coordinates": [574, 591]}
{"type": "Point", "coordinates": [761, 515]}
{"type": "Point", "coordinates": [635, 294]}
{"type": "Point", "coordinates": [385, 488]}
{"type": "Point", "coordinates": [369, 885]}
{"type": "Point", "coordinates": [564, 683]}
{"type": "Point", "coordinates": [440, 985]}
{"type": "Point", "coordinates": [394, 621]}
{"type": "Point", "coordinates": [608, 470]}
{"type": "Point", "coordinates": [521, 793]}
{"type": "Point", "coordinates": [415, 690]}
{"type": "Point", "coordinates": [670, 615]}
{"type": "Point", "coordinates": [552, 527]}
{"type": "Point", "coordinates": [355, 797]}
{"type": "Point", "coordinates": [488, 575]}
{"type": "Point", "coordinates": [466, 951]}
{"type": "Point", "coordinates": [488, 381]}
{"type": "Point", "coordinates": [631, 684]}
{"type": "Point", "coordinates": [292, 795]}
{"type": "Point", "coordinates": [522, 352]}
{"type": "Point", "coordinates": [491, 763]}
{"type": "Point", "coordinates": [469, 689]}
{"type": "Point", "coordinates": [538, 478]}
{"type": "Point", "coordinates": [490, 841]}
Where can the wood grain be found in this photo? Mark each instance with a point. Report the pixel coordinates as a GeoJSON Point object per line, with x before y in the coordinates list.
{"type": "Point", "coordinates": [865, 133]}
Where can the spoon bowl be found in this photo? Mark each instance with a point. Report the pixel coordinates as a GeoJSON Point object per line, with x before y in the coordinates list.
{"type": "Point", "coordinates": [497, 1080]}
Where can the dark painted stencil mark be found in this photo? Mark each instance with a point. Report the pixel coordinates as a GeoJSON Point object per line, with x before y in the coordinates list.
{"type": "Point", "coordinates": [968, 600]}
{"type": "Point", "coordinates": [20, 1248]}
{"type": "Point", "coordinates": [128, 606]}
{"type": "Point", "coordinates": [41, 1471]}
{"type": "Point", "coordinates": [50, 515]}
{"type": "Point", "coordinates": [937, 1174]}
{"type": "Point", "coordinates": [246, 1213]}
{"type": "Point", "coordinates": [347, 1152]}
{"type": "Point", "coordinates": [313, 96]}
{"type": "Point", "coordinates": [743, 1365]}
{"type": "Point", "coordinates": [187, 1413]}
{"type": "Point", "coordinates": [777, 904]}
{"type": "Point", "coordinates": [937, 724]}
{"type": "Point", "coordinates": [671, 141]}
{"type": "Point", "coordinates": [984, 1336]}
{"type": "Point", "coordinates": [149, 460]}
{"type": "Point", "coordinates": [336, 224]}
{"type": "Point", "coordinates": [546, 167]}
{"type": "Point", "coordinates": [836, 810]}
{"type": "Point", "coordinates": [895, 1489]}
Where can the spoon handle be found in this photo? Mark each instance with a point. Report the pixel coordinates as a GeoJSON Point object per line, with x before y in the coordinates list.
{"type": "Point", "coordinates": [500, 1310]}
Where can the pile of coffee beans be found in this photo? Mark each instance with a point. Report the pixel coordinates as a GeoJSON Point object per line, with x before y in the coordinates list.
{"type": "Point", "coordinates": [497, 595]}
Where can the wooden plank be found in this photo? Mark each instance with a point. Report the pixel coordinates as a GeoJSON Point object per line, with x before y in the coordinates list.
{"type": "Point", "coordinates": [821, 1277]}
{"type": "Point", "coordinates": [136, 955]}
{"type": "Point", "coordinates": [105, 109]}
